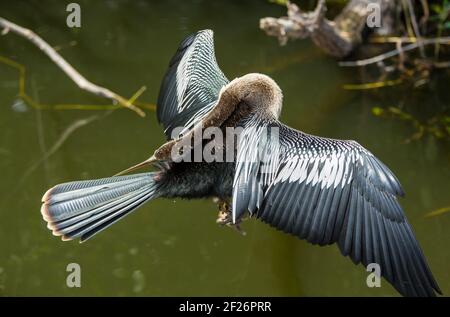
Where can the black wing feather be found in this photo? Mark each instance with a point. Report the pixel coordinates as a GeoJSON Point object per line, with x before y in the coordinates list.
{"type": "Point", "coordinates": [332, 191]}
{"type": "Point", "coordinates": [191, 85]}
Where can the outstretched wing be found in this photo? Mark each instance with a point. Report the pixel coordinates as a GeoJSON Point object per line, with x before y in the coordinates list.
{"type": "Point", "coordinates": [328, 191]}
{"type": "Point", "coordinates": [191, 85]}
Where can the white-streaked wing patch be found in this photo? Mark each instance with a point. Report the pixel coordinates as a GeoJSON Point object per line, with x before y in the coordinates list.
{"type": "Point", "coordinates": [330, 191]}
{"type": "Point", "coordinates": [191, 85]}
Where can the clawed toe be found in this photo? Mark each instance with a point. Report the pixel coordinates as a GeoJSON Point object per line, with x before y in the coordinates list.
{"type": "Point", "coordinates": [224, 218]}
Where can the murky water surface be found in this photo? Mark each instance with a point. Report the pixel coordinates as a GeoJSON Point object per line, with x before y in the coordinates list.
{"type": "Point", "coordinates": [175, 247]}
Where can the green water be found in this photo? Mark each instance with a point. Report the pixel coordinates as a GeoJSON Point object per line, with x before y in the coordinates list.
{"type": "Point", "coordinates": [175, 247]}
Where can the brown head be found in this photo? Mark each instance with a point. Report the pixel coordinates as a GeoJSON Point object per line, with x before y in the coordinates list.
{"type": "Point", "coordinates": [258, 91]}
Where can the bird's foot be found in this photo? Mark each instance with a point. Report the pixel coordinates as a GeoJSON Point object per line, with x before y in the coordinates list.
{"type": "Point", "coordinates": [224, 218]}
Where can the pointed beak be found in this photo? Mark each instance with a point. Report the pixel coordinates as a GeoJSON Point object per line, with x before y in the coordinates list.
{"type": "Point", "coordinates": [147, 162]}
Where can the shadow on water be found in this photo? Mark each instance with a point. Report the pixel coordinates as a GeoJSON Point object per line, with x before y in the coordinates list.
{"type": "Point", "coordinates": [175, 247]}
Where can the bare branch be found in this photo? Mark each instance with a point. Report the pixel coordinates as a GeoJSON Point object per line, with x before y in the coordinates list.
{"type": "Point", "coordinates": [74, 126]}
{"type": "Point", "coordinates": [397, 51]}
{"type": "Point", "coordinates": [415, 26]}
{"type": "Point", "coordinates": [73, 74]}
{"type": "Point", "coordinates": [426, 13]}
{"type": "Point", "coordinates": [337, 38]}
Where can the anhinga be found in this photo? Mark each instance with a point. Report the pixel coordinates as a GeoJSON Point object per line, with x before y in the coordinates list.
{"type": "Point", "coordinates": [322, 190]}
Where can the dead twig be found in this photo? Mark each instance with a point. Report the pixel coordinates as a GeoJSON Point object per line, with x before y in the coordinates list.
{"type": "Point", "coordinates": [77, 124]}
{"type": "Point", "coordinates": [415, 26]}
{"type": "Point", "coordinates": [401, 55]}
{"type": "Point", "coordinates": [437, 212]}
{"type": "Point", "coordinates": [397, 51]}
{"type": "Point", "coordinates": [373, 85]}
{"type": "Point", "coordinates": [391, 39]}
{"type": "Point", "coordinates": [73, 74]}
{"type": "Point", "coordinates": [426, 13]}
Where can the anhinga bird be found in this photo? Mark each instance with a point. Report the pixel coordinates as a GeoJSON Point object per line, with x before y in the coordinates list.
{"type": "Point", "coordinates": [322, 190]}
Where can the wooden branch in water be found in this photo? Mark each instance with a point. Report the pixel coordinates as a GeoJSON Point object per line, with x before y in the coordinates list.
{"type": "Point", "coordinates": [397, 51]}
{"type": "Point", "coordinates": [338, 37]}
{"type": "Point", "coordinates": [70, 71]}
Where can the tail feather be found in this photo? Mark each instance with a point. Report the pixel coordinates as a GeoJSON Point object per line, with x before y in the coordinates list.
{"type": "Point", "coordinates": [108, 221]}
{"type": "Point", "coordinates": [78, 220]}
{"type": "Point", "coordinates": [83, 209]}
{"type": "Point", "coordinates": [73, 186]}
{"type": "Point", "coordinates": [69, 199]}
{"type": "Point", "coordinates": [69, 225]}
